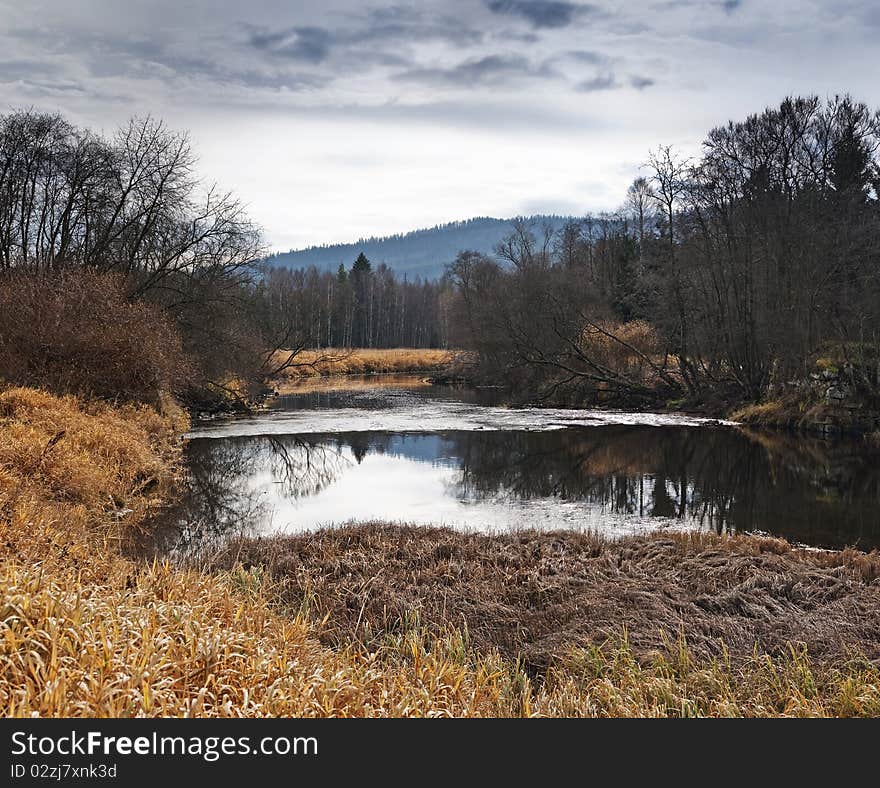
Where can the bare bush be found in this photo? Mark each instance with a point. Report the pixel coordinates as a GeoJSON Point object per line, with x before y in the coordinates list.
{"type": "Point", "coordinates": [75, 332]}
{"type": "Point", "coordinates": [625, 348]}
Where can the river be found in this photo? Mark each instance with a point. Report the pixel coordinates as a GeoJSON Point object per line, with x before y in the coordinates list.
{"type": "Point", "coordinates": [391, 448]}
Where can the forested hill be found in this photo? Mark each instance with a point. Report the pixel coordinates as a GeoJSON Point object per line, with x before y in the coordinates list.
{"type": "Point", "coordinates": [418, 253]}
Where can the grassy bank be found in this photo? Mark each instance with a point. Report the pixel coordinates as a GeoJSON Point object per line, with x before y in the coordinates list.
{"type": "Point", "coordinates": [295, 627]}
{"type": "Point", "coordinates": [363, 361]}
{"type": "Point", "coordinates": [533, 595]}
{"type": "Point", "coordinates": [795, 414]}
{"type": "Point", "coordinates": [85, 631]}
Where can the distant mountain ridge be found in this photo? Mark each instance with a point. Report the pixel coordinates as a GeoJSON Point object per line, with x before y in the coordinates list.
{"type": "Point", "coordinates": [422, 253]}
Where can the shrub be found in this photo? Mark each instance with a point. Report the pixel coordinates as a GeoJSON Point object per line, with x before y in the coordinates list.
{"type": "Point", "coordinates": [75, 332]}
{"type": "Point", "coordinates": [623, 348]}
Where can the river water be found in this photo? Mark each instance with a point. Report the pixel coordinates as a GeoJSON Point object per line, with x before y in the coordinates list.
{"type": "Point", "coordinates": [390, 448]}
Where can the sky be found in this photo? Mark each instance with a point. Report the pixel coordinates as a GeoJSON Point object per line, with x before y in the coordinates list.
{"type": "Point", "coordinates": [342, 119]}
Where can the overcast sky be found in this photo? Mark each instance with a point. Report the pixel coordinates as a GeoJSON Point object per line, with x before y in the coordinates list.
{"type": "Point", "coordinates": [339, 118]}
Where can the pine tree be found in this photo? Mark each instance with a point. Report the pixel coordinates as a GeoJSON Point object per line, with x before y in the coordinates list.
{"type": "Point", "coordinates": [361, 265]}
{"type": "Point", "coordinates": [361, 277]}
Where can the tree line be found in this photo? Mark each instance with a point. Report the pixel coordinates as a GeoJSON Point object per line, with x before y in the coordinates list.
{"type": "Point", "coordinates": [727, 274]}
{"type": "Point", "coordinates": [125, 214]}
{"type": "Point", "coordinates": [357, 307]}
{"type": "Point", "coordinates": [122, 272]}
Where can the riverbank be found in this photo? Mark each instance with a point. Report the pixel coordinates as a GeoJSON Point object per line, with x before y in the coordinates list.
{"type": "Point", "coordinates": [87, 632]}
{"type": "Point", "coordinates": [816, 418]}
{"type": "Point", "coordinates": [360, 361]}
{"type": "Point", "coordinates": [315, 369]}
{"type": "Point", "coordinates": [836, 398]}
{"type": "Point", "coordinates": [808, 411]}
{"type": "Point", "coordinates": [533, 596]}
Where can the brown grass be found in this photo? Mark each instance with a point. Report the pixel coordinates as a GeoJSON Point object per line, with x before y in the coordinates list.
{"type": "Point", "coordinates": [76, 332]}
{"type": "Point", "coordinates": [364, 361]}
{"type": "Point", "coordinates": [352, 383]}
{"type": "Point", "coordinates": [103, 459]}
{"type": "Point", "coordinates": [86, 632]}
{"type": "Point", "coordinates": [535, 596]}
{"type": "Point", "coordinates": [633, 342]}
{"type": "Point", "coordinates": [781, 413]}
{"type": "Point", "coordinates": [804, 415]}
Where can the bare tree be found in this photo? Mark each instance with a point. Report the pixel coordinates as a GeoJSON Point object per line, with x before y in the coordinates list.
{"type": "Point", "coordinates": [640, 202]}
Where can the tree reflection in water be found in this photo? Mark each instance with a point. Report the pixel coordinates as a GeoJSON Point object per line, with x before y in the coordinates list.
{"type": "Point", "coordinates": [729, 480]}
{"type": "Point", "coordinates": [724, 479]}
{"type": "Point", "coordinates": [222, 496]}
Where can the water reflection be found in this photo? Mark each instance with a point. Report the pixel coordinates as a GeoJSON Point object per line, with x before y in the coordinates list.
{"type": "Point", "coordinates": [612, 478]}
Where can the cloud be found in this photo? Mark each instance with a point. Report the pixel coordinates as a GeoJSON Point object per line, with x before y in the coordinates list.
{"type": "Point", "coordinates": [53, 88]}
{"type": "Point", "coordinates": [309, 44]}
{"type": "Point", "coordinates": [599, 82]}
{"type": "Point", "coordinates": [608, 81]}
{"type": "Point", "coordinates": [491, 69]}
{"type": "Point", "coordinates": [640, 82]}
{"type": "Point", "coordinates": [25, 69]}
{"type": "Point", "coordinates": [471, 112]}
{"type": "Point", "coordinates": [551, 205]}
{"type": "Point", "coordinates": [540, 13]}
{"type": "Point", "coordinates": [365, 38]}
{"type": "Point", "coordinates": [399, 22]}
{"type": "Point", "coordinates": [587, 56]}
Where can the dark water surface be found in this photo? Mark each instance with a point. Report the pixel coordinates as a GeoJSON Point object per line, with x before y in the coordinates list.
{"type": "Point", "coordinates": [390, 448]}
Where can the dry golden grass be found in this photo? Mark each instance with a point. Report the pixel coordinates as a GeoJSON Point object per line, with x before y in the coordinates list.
{"type": "Point", "coordinates": [806, 415]}
{"type": "Point", "coordinates": [100, 457]}
{"type": "Point", "coordinates": [158, 641]}
{"type": "Point", "coordinates": [534, 595]}
{"type": "Point", "coordinates": [87, 632]}
{"type": "Point", "coordinates": [352, 383]}
{"type": "Point", "coordinates": [84, 631]}
{"type": "Point", "coordinates": [773, 413]}
{"type": "Point", "coordinates": [363, 361]}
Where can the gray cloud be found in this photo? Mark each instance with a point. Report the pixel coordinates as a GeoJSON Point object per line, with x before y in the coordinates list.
{"type": "Point", "coordinates": [101, 66]}
{"type": "Point", "coordinates": [599, 82]}
{"type": "Point", "coordinates": [310, 44]}
{"type": "Point", "coordinates": [551, 204]}
{"type": "Point", "coordinates": [540, 13]}
{"type": "Point", "coordinates": [606, 80]}
{"type": "Point", "coordinates": [728, 6]}
{"type": "Point", "coordinates": [399, 22]}
{"type": "Point", "coordinates": [519, 36]}
{"type": "Point", "coordinates": [25, 69]}
{"type": "Point", "coordinates": [379, 28]}
{"type": "Point", "coordinates": [476, 113]}
{"type": "Point", "coordinates": [587, 56]}
{"type": "Point", "coordinates": [491, 69]}
{"type": "Point", "coordinates": [53, 88]}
